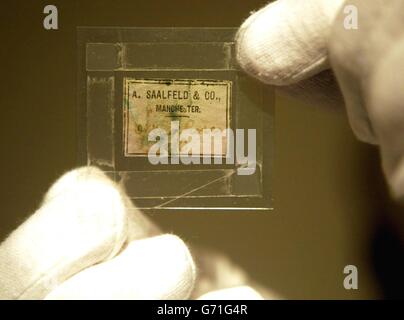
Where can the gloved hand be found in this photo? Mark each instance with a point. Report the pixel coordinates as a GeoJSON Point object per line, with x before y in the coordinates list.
{"type": "Point", "coordinates": [87, 241]}
{"type": "Point", "coordinates": [294, 43]}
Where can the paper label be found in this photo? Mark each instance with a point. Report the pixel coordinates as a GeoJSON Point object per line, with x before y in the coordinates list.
{"type": "Point", "coordinates": [157, 103]}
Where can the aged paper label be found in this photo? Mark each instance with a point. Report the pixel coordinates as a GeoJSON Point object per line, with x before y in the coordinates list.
{"type": "Point", "coordinates": [157, 103]}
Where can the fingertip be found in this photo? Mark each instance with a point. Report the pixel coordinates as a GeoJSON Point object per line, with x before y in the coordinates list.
{"type": "Point", "coordinates": [178, 264]}
{"type": "Point", "coordinates": [286, 41]}
{"type": "Point", "coordinates": [91, 205]}
{"type": "Point", "coordinates": [253, 45]}
{"type": "Point", "coordinates": [77, 178]}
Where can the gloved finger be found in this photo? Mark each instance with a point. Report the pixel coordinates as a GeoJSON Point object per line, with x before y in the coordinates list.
{"type": "Point", "coordinates": [236, 293]}
{"type": "Point", "coordinates": [386, 112]}
{"type": "Point", "coordinates": [138, 225]}
{"type": "Point", "coordinates": [286, 41]}
{"type": "Point", "coordinates": [82, 221]}
{"type": "Point", "coordinates": [155, 268]}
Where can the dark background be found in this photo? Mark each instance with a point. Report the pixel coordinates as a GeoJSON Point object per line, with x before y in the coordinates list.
{"type": "Point", "coordinates": [331, 207]}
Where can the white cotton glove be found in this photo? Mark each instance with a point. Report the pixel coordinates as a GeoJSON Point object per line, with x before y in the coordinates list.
{"type": "Point", "coordinates": [84, 242]}
{"type": "Point", "coordinates": [87, 241]}
{"type": "Point", "coordinates": [293, 43]}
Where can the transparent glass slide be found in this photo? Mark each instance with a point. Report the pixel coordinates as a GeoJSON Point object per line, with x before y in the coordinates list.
{"type": "Point", "coordinates": [134, 80]}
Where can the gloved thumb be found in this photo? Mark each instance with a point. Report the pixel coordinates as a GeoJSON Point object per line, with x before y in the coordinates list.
{"type": "Point", "coordinates": [286, 41]}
